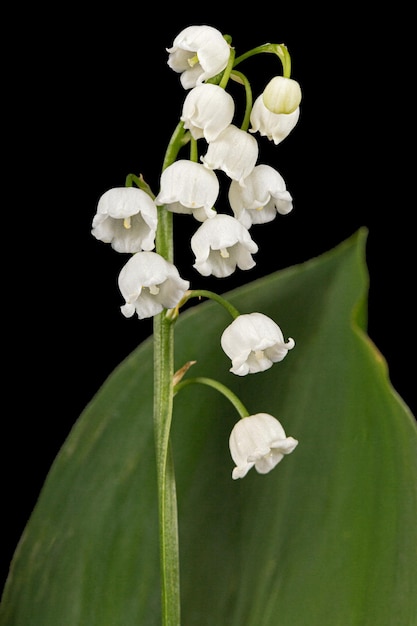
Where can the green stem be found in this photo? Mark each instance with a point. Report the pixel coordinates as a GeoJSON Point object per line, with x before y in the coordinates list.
{"type": "Point", "coordinates": [275, 48]}
{"type": "Point", "coordinates": [167, 499]}
{"type": "Point", "coordinates": [210, 382]}
{"type": "Point", "coordinates": [202, 293]}
{"type": "Point", "coordinates": [139, 182]}
{"type": "Point", "coordinates": [228, 69]}
{"type": "Point", "coordinates": [241, 78]}
{"type": "Point", "coordinates": [179, 138]}
{"type": "Point", "coordinates": [162, 411]}
{"type": "Point", "coordinates": [193, 150]}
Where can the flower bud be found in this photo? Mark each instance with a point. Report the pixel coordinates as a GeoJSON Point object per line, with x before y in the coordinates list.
{"type": "Point", "coordinates": [282, 95]}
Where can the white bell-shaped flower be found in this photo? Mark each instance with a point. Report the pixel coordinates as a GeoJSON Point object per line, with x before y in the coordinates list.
{"type": "Point", "coordinates": [188, 187]}
{"type": "Point", "coordinates": [149, 283]}
{"type": "Point", "coordinates": [282, 95]}
{"type": "Point", "coordinates": [254, 342]}
{"type": "Point", "coordinates": [220, 245]}
{"type": "Point", "coordinates": [198, 53]}
{"type": "Point", "coordinates": [263, 195]}
{"type": "Point", "coordinates": [275, 126]}
{"type": "Point", "coordinates": [258, 440]}
{"type": "Point", "coordinates": [207, 110]}
{"type": "Point", "coordinates": [126, 218]}
{"type": "Point", "coordinates": [234, 151]}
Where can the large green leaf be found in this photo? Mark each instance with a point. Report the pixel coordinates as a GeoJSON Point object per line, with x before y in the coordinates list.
{"type": "Point", "coordinates": [327, 538]}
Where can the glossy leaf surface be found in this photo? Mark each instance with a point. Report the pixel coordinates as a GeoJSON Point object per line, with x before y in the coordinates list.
{"type": "Point", "coordinates": [328, 537]}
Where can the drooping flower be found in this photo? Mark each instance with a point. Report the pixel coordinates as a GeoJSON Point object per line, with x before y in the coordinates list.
{"type": "Point", "coordinates": [258, 440]}
{"type": "Point", "coordinates": [198, 53]}
{"type": "Point", "coordinates": [282, 95]}
{"type": "Point", "coordinates": [220, 245]}
{"type": "Point", "coordinates": [188, 187]}
{"type": "Point", "coordinates": [254, 342]}
{"type": "Point", "coordinates": [234, 151]}
{"type": "Point", "coordinates": [207, 110]}
{"type": "Point", "coordinates": [149, 283]}
{"type": "Point", "coordinates": [126, 218]}
{"type": "Point", "coordinates": [263, 195]}
{"type": "Point", "coordinates": [275, 126]}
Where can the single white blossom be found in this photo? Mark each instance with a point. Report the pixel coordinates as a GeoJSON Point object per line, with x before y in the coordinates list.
{"type": "Point", "coordinates": [207, 110]}
{"type": "Point", "coordinates": [234, 151]}
{"type": "Point", "coordinates": [149, 283]}
{"type": "Point", "coordinates": [282, 95]}
{"type": "Point", "coordinates": [275, 126]}
{"type": "Point", "coordinates": [258, 440]}
{"type": "Point", "coordinates": [198, 53]}
{"type": "Point", "coordinates": [220, 244]}
{"type": "Point", "coordinates": [127, 219]}
{"type": "Point", "coordinates": [263, 195]}
{"type": "Point", "coordinates": [188, 187]}
{"type": "Point", "coordinates": [254, 342]}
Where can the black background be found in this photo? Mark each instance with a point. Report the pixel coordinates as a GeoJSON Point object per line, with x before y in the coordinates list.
{"type": "Point", "coordinates": [91, 99]}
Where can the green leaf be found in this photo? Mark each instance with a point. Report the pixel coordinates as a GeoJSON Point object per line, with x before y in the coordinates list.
{"type": "Point", "coordinates": [328, 537]}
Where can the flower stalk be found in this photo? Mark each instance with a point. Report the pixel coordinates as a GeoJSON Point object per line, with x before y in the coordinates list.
{"type": "Point", "coordinates": [172, 314]}
{"type": "Point", "coordinates": [163, 363]}
{"type": "Point", "coordinates": [279, 49]}
{"type": "Point", "coordinates": [167, 499]}
{"type": "Point", "coordinates": [215, 384]}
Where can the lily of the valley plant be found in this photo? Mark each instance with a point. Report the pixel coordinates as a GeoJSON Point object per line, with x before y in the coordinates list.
{"type": "Point", "coordinates": [135, 220]}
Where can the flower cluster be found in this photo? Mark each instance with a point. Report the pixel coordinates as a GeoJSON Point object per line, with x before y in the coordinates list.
{"type": "Point", "coordinates": [127, 217]}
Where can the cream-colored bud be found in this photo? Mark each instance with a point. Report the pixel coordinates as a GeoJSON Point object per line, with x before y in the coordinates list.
{"type": "Point", "coordinates": [282, 95]}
